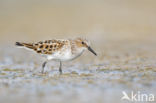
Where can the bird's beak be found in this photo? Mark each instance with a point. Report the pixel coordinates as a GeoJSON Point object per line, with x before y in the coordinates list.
{"type": "Point", "coordinates": [91, 50]}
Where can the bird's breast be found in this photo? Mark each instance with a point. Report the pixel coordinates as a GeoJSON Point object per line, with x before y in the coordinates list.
{"type": "Point", "coordinates": [66, 54]}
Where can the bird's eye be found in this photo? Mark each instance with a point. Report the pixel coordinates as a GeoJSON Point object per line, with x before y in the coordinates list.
{"type": "Point", "coordinates": [82, 42]}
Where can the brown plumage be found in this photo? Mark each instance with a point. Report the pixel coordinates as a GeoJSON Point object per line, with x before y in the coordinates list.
{"type": "Point", "coordinates": [43, 47]}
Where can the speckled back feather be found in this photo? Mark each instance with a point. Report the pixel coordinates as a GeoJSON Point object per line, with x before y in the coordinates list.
{"type": "Point", "coordinates": [44, 47]}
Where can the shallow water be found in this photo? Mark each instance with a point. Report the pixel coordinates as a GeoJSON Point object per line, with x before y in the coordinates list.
{"type": "Point", "coordinates": [88, 79]}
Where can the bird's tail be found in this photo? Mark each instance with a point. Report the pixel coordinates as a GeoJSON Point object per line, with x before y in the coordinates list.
{"type": "Point", "coordinates": [19, 44]}
{"type": "Point", "coordinates": [27, 45]}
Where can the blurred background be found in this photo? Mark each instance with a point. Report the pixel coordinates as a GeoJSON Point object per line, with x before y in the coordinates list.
{"type": "Point", "coordinates": [122, 32]}
{"type": "Point", "coordinates": [97, 19]}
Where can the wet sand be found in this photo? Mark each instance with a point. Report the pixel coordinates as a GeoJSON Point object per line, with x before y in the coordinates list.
{"type": "Point", "coordinates": [124, 66]}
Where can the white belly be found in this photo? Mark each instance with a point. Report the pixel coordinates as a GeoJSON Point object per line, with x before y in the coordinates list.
{"type": "Point", "coordinates": [66, 55]}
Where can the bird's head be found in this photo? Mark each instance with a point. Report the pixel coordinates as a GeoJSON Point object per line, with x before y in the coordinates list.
{"type": "Point", "coordinates": [84, 44]}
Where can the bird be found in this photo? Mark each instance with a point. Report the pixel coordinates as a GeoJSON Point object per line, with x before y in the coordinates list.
{"type": "Point", "coordinates": [58, 49]}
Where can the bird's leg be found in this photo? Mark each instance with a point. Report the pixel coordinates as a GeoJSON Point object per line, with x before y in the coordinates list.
{"type": "Point", "coordinates": [43, 65]}
{"type": "Point", "coordinates": [60, 68]}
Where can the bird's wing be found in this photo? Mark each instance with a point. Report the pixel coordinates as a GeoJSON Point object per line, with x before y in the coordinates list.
{"type": "Point", "coordinates": [44, 47]}
{"type": "Point", "coordinates": [48, 46]}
